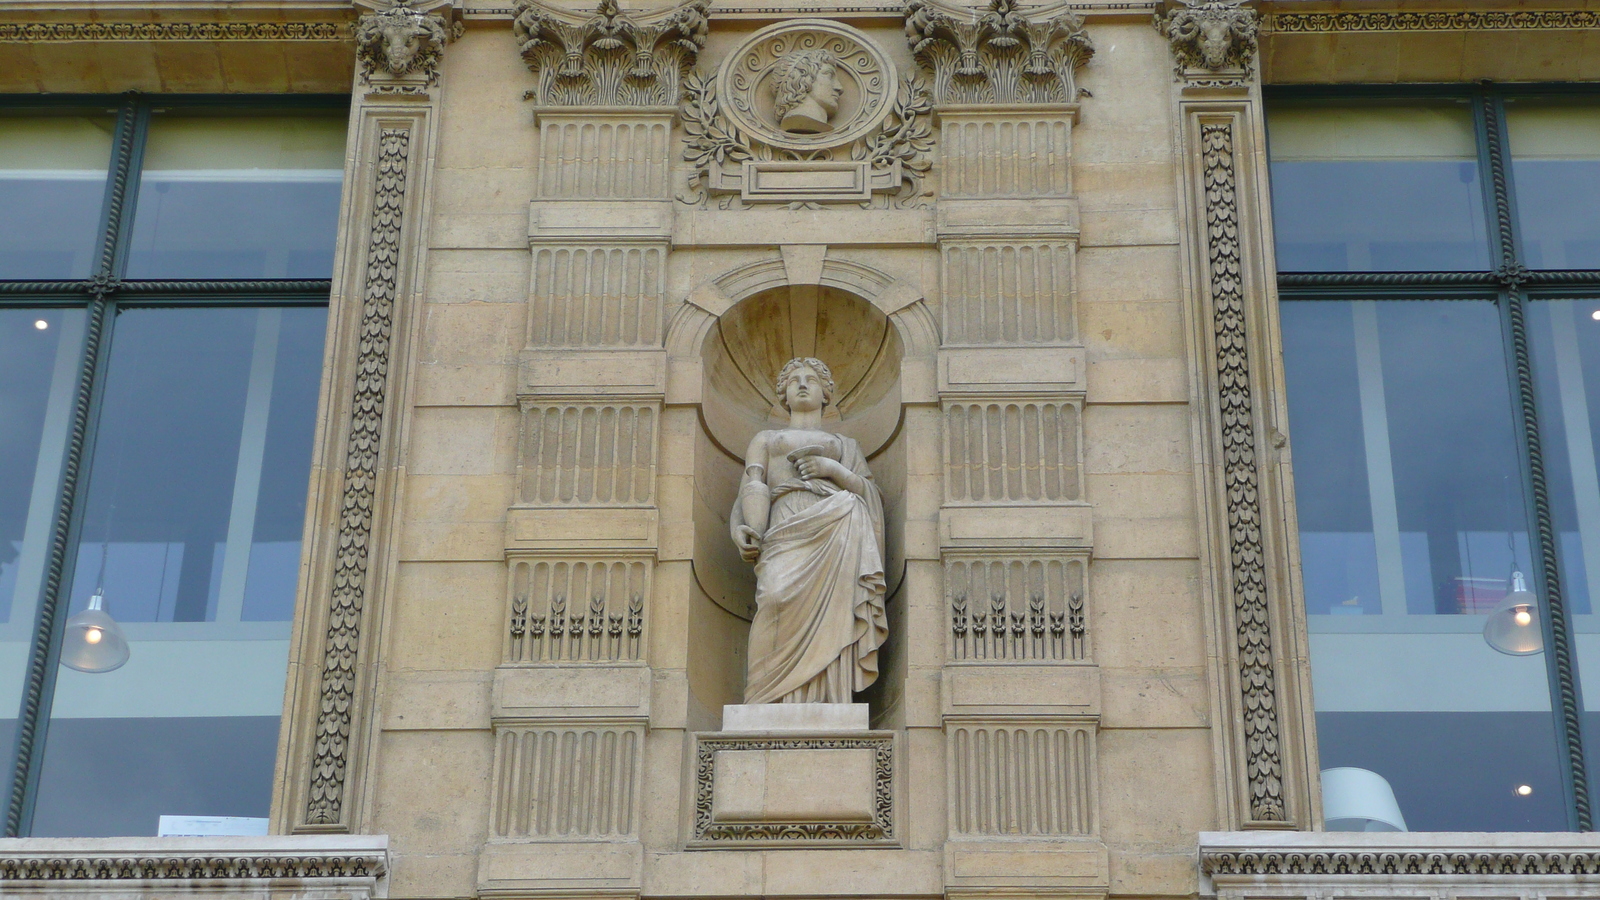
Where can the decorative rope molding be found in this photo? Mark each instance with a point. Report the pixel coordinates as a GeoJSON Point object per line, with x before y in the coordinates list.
{"type": "Point", "coordinates": [1460, 20]}
{"type": "Point", "coordinates": [1247, 563]}
{"type": "Point", "coordinates": [1247, 863]}
{"type": "Point", "coordinates": [325, 801]}
{"type": "Point", "coordinates": [189, 868]}
{"type": "Point", "coordinates": [176, 31]}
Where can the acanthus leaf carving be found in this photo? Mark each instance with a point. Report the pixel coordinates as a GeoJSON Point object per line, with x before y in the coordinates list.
{"type": "Point", "coordinates": [999, 55]}
{"type": "Point", "coordinates": [1213, 41]}
{"type": "Point", "coordinates": [401, 42]}
{"type": "Point", "coordinates": [610, 58]}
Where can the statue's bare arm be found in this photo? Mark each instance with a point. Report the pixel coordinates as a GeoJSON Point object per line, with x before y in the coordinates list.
{"type": "Point", "coordinates": [837, 472]}
{"type": "Point", "coordinates": [748, 521]}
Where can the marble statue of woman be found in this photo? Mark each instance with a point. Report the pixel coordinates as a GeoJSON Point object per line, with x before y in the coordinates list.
{"type": "Point", "coordinates": [811, 519]}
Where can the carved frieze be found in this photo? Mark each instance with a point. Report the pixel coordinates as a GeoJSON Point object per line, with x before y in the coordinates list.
{"type": "Point", "coordinates": [399, 48]}
{"type": "Point", "coordinates": [1022, 777]}
{"type": "Point", "coordinates": [577, 610]}
{"type": "Point", "coordinates": [1000, 55]}
{"type": "Point", "coordinates": [1007, 451]}
{"type": "Point", "coordinates": [1016, 608]}
{"type": "Point", "coordinates": [610, 57]}
{"type": "Point", "coordinates": [1213, 41]}
{"type": "Point", "coordinates": [806, 112]}
{"type": "Point", "coordinates": [560, 781]}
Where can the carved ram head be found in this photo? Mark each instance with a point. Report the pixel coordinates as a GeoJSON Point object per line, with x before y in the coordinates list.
{"type": "Point", "coordinates": [1210, 34]}
{"type": "Point", "coordinates": [400, 40]}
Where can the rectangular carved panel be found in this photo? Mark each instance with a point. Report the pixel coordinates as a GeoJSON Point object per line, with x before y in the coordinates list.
{"type": "Point", "coordinates": [600, 157]}
{"type": "Point", "coordinates": [1022, 777]}
{"type": "Point", "coordinates": [1007, 292]}
{"type": "Point", "coordinates": [566, 781]}
{"type": "Point", "coordinates": [1006, 153]}
{"type": "Point", "coordinates": [1005, 451]}
{"type": "Point", "coordinates": [588, 454]}
{"type": "Point", "coordinates": [1024, 609]}
{"type": "Point", "coordinates": [576, 610]}
{"type": "Point", "coordinates": [600, 296]}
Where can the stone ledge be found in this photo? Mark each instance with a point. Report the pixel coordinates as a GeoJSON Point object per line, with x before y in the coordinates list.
{"type": "Point", "coordinates": [1433, 865]}
{"type": "Point", "coordinates": [345, 866]}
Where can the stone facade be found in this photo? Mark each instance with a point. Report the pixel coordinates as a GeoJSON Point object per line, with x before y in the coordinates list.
{"type": "Point", "coordinates": [1035, 247]}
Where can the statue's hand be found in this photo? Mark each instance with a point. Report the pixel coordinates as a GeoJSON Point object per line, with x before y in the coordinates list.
{"type": "Point", "coordinates": [811, 467]}
{"type": "Point", "coordinates": [749, 543]}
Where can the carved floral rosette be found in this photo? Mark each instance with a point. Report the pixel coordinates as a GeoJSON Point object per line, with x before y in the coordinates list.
{"type": "Point", "coordinates": [874, 153]}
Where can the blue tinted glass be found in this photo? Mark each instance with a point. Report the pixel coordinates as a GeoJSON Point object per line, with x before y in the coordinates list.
{"type": "Point", "coordinates": [40, 355]}
{"type": "Point", "coordinates": [52, 186]}
{"type": "Point", "coordinates": [191, 533]}
{"type": "Point", "coordinates": [1381, 188]}
{"type": "Point", "coordinates": [1555, 164]}
{"type": "Point", "coordinates": [252, 197]}
{"type": "Point", "coordinates": [1564, 338]}
{"type": "Point", "coordinates": [1410, 506]}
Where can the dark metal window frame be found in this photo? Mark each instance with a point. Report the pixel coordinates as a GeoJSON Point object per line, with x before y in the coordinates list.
{"type": "Point", "coordinates": [103, 294]}
{"type": "Point", "coordinates": [1509, 285]}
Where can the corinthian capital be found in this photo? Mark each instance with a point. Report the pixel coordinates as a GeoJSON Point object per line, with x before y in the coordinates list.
{"type": "Point", "coordinates": [1212, 40]}
{"type": "Point", "coordinates": [610, 58]}
{"type": "Point", "coordinates": [998, 55]}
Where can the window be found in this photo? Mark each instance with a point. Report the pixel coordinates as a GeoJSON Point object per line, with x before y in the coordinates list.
{"type": "Point", "coordinates": [165, 267]}
{"type": "Point", "coordinates": [1434, 246]}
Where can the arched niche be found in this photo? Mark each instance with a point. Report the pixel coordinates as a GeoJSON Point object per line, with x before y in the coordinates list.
{"type": "Point", "coordinates": [732, 337]}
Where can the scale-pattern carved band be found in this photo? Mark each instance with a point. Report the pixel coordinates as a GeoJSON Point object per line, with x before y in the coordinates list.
{"type": "Point", "coordinates": [1247, 556]}
{"type": "Point", "coordinates": [330, 756]}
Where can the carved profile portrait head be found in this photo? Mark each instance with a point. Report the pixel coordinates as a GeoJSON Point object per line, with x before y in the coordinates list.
{"type": "Point", "coordinates": [791, 378]}
{"type": "Point", "coordinates": [805, 91]}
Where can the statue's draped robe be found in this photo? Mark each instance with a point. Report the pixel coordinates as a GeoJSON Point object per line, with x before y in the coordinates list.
{"type": "Point", "coordinates": [819, 591]}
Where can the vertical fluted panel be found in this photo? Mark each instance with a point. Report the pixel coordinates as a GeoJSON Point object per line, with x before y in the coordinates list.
{"type": "Point", "coordinates": [603, 296]}
{"type": "Point", "coordinates": [604, 158]}
{"type": "Point", "coordinates": [576, 610]}
{"type": "Point", "coordinates": [1022, 779]}
{"type": "Point", "coordinates": [566, 781]}
{"type": "Point", "coordinates": [1010, 156]}
{"type": "Point", "coordinates": [999, 293]}
{"type": "Point", "coordinates": [1011, 450]}
{"type": "Point", "coordinates": [589, 454]}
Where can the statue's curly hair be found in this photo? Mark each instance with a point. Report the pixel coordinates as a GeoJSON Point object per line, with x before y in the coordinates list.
{"type": "Point", "coordinates": [786, 375]}
{"type": "Point", "coordinates": [795, 75]}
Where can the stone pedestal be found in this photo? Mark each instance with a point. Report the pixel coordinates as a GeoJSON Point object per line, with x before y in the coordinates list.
{"type": "Point", "coordinates": [794, 718]}
{"type": "Point", "coordinates": [794, 775]}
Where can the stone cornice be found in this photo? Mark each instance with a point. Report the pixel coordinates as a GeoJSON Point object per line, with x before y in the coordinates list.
{"type": "Point", "coordinates": [1247, 855]}
{"type": "Point", "coordinates": [36, 32]}
{"type": "Point", "coordinates": [186, 859]}
{"type": "Point", "coordinates": [1430, 20]}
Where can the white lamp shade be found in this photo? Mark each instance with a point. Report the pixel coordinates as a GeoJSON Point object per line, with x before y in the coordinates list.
{"type": "Point", "coordinates": [1513, 625]}
{"type": "Point", "coordinates": [93, 642]}
{"type": "Point", "coordinates": [1359, 800]}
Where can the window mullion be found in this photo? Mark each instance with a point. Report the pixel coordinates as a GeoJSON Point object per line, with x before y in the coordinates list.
{"type": "Point", "coordinates": [122, 195]}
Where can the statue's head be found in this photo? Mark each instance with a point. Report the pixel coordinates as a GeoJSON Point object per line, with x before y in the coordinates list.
{"type": "Point", "coordinates": [805, 383]}
{"type": "Point", "coordinates": [806, 83]}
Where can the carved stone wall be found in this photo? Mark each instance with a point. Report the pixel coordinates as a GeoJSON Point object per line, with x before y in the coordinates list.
{"type": "Point", "coordinates": [606, 295]}
{"type": "Point", "coordinates": [1002, 292]}
{"type": "Point", "coordinates": [588, 454]}
{"type": "Point", "coordinates": [1022, 777]}
{"type": "Point", "coordinates": [592, 154]}
{"type": "Point", "coordinates": [1021, 608]}
{"type": "Point", "coordinates": [1012, 451]}
{"type": "Point", "coordinates": [577, 610]}
{"type": "Point", "coordinates": [577, 781]}
{"type": "Point", "coordinates": [1006, 151]}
